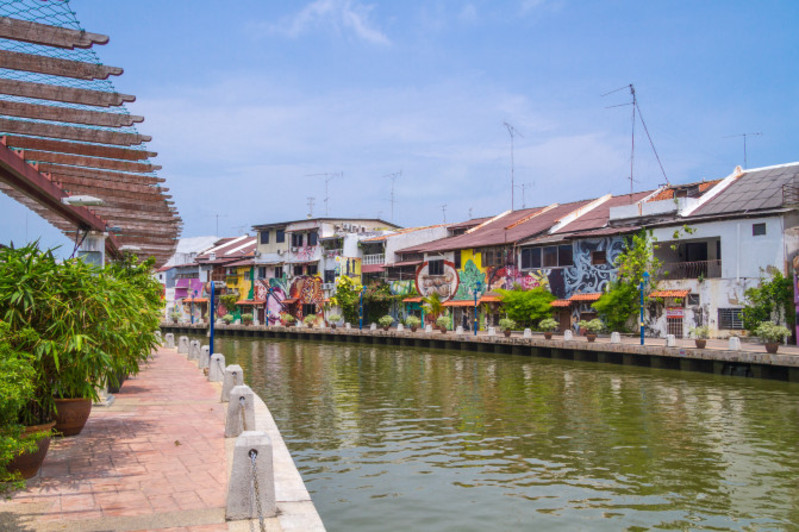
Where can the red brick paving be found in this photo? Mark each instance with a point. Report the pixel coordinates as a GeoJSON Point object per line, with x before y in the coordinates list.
{"type": "Point", "coordinates": [160, 448]}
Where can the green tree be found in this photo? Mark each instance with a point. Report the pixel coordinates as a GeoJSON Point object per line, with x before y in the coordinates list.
{"type": "Point", "coordinates": [347, 298]}
{"type": "Point", "coordinates": [771, 300]}
{"type": "Point", "coordinates": [527, 307]}
{"type": "Point", "coordinates": [618, 305]}
{"type": "Point", "coordinates": [433, 306]}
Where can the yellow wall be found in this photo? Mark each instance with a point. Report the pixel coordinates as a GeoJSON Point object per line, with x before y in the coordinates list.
{"type": "Point", "coordinates": [241, 282]}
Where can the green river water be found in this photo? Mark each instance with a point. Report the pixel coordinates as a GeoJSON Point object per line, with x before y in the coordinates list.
{"type": "Point", "coordinates": [394, 439]}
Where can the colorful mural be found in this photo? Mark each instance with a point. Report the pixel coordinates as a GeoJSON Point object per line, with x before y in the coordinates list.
{"type": "Point", "coordinates": [402, 288]}
{"type": "Point", "coordinates": [446, 284]}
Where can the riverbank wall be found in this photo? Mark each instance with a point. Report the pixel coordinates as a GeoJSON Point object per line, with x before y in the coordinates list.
{"type": "Point", "coordinates": [750, 360]}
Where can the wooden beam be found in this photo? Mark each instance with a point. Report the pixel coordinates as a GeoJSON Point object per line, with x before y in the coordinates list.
{"type": "Point", "coordinates": [66, 114]}
{"type": "Point", "coordinates": [83, 134]}
{"type": "Point", "coordinates": [71, 182]}
{"type": "Point", "coordinates": [97, 163]}
{"type": "Point", "coordinates": [36, 33]}
{"type": "Point", "coordinates": [91, 150]}
{"type": "Point", "coordinates": [59, 170]}
{"type": "Point", "coordinates": [43, 91]}
{"type": "Point", "coordinates": [56, 67]}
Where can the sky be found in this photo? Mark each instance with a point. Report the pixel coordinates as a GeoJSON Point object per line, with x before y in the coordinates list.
{"type": "Point", "coordinates": [254, 105]}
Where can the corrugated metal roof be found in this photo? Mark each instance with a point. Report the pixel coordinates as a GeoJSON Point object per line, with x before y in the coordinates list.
{"type": "Point", "coordinates": [599, 216]}
{"type": "Point", "coordinates": [756, 189]}
{"type": "Point", "coordinates": [400, 232]}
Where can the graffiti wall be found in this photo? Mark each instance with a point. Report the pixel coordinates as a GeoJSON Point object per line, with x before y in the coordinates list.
{"type": "Point", "coordinates": [445, 284]}
{"type": "Point", "coordinates": [402, 288]}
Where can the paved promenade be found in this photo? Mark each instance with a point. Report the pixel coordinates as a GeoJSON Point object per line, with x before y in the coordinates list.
{"type": "Point", "coordinates": [154, 460]}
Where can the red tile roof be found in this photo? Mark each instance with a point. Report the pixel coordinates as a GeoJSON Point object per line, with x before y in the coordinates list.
{"type": "Point", "coordinates": [560, 303]}
{"type": "Point", "coordinates": [670, 293]}
{"type": "Point", "coordinates": [586, 297]}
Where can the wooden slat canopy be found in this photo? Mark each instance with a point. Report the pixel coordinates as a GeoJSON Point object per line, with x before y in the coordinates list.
{"type": "Point", "coordinates": [59, 137]}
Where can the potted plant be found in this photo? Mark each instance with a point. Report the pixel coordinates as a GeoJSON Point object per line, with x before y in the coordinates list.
{"type": "Point", "coordinates": [175, 315]}
{"type": "Point", "coordinates": [385, 321]}
{"type": "Point", "coordinates": [591, 328]}
{"type": "Point", "coordinates": [246, 318]}
{"type": "Point", "coordinates": [287, 319]}
{"type": "Point", "coordinates": [309, 320]}
{"type": "Point", "coordinates": [701, 335]}
{"type": "Point", "coordinates": [548, 325]}
{"type": "Point", "coordinates": [228, 319]}
{"type": "Point", "coordinates": [413, 322]}
{"type": "Point", "coordinates": [333, 319]}
{"type": "Point", "coordinates": [444, 323]}
{"type": "Point", "coordinates": [507, 325]}
{"type": "Point", "coordinates": [772, 335]}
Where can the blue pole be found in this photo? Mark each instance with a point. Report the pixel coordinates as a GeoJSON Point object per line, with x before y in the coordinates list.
{"type": "Point", "coordinates": [475, 311]}
{"type": "Point", "coordinates": [212, 320]}
{"type": "Point", "coordinates": [266, 306]}
{"type": "Point", "coordinates": [642, 312]}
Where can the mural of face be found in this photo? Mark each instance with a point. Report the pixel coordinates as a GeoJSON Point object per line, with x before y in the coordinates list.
{"type": "Point", "coordinates": [445, 285]}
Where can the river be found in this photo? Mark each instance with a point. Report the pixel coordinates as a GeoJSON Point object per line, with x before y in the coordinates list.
{"type": "Point", "coordinates": [393, 439]}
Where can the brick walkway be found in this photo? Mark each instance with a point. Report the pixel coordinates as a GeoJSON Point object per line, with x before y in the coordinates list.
{"type": "Point", "coordinates": [154, 460]}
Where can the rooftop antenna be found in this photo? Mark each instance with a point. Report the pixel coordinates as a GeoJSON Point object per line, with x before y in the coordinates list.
{"type": "Point", "coordinates": [393, 178]}
{"type": "Point", "coordinates": [524, 186]}
{"type": "Point", "coordinates": [744, 135]}
{"type": "Point", "coordinates": [329, 176]}
{"type": "Point", "coordinates": [217, 221]}
{"type": "Point", "coordinates": [512, 131]}
{"type": "Point", "coordinates": [444, 212]}
{"type": "Point", "coordinates": [635, 107]}
{"type": "Point", "coordinates": [470, 213]}
{"type": "Point", "coordinates": [311, 201]}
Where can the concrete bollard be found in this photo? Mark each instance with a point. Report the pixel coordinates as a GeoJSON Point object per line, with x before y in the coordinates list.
{"type": "Point", "coordinates": [527, 333]}
{"type": "Point", "coordinates": [234, 376]}
{"type": "Point", "coordinates": [252, 452]}
{"type": "Point", "coordinates": [459, 329]}
{"type": "Point", "coordinates": [170, 340]}
{"type": "Point", "coordinates": [240, 411]}
{"type": "Point", "coordinates": [568, 335]}
{"type": "Point", "coordinates": [373, 327]}
{"type": "Point", "coordinates": [347, 326]}
{"type": "Point", "coordinates": [216, 370]}
{"type": "Point", "coordinates": [194, 350]}
{"type": "Point", "coordinates": [159, 337]}
{"type": "Point", "coordinates": [735, 343]}
{"type": "Point", "coordinates": [492, 331]}
{"type": "Point", "coordinates": [183, 344]}
{"type": "Point", "coordinates": [428, 328]}
{"type": "Point", "coordinates": [615, 338]}
{"type": "Point", "coordinates": [205, 355]}
{"type": "Point", "coordinates": [671, 340]}
{"type": "Point", "coordinates": [219, 323]}
{"type": "Point", "coordinates": [400, 328]}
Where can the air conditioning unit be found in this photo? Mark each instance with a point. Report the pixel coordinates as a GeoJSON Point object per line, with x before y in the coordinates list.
{"type": "Point", "coordinates": [281, 251]}
{"type": "Point", "coordinates": [346, 227]}
{"type": "Point", "coordinates": [328, 286]}
{"type": "Point", "coordinates": [294, 250]}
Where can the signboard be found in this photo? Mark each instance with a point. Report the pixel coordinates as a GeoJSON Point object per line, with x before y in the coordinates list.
{"type": "Point", "coordinates": [674, 312]}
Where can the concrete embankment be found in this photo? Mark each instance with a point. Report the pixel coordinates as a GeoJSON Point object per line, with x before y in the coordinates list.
{"type": "Point", "coordinates": [748, 359]}
{"type": "Point", "coordinates": [157, 458]}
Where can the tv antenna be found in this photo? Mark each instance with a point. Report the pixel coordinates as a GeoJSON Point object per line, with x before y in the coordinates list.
{"type": "Point", "coordinates": [444, 212]}
{"type": "Point", "coordinates": [512, 131]}
{"type": "Point", "coordinates": [635, 107]}
{"type": "Point", "coordinates": [311, 201]}
{"type": "Point", "coordinates": [393, 178]}
{"type": "Point", "coordinates": [217, 221]}
{"type": "Point", "coordinates": [524, 186]}
{"type": "Point", "coordinates": [744, 135]}
{"type": "Point", "coordinates": [329, 176]}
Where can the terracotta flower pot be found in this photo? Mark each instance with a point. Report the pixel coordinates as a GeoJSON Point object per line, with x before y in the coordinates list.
{"type": "Point", "coordinates": [700, 342]}
{"type": "Point", "coordinates": [507, 333]}
{"type": "Point", "coordinates": [333, 326]}
{"type": "Point", "coordinates": [590, 336]}
{"type": "Point", "coordinates": [71, 415]}
{"type": "Point", "coordinates": [548, 335]}
{"type": "Point", "coordinates": [28, 464]}
{"type": "Point", "coordinates": [771, 347]}
{"type": "Point", "coordinates": [413, 328]}
{"type": "Point", "coordinates": [443, 330]}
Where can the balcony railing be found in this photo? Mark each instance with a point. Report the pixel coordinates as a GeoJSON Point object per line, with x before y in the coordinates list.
{"type": "Point", "coordinates": [378, 258]}
{"type": "Point", "coordinates": [707, 269]}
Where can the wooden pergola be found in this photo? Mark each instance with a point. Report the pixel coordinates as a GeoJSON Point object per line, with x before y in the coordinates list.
{"type": "Point", "coordinates": [64, 131]}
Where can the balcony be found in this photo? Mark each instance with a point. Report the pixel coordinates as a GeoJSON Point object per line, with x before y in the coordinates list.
{"type": "Point", "coordinates": [378, 258]}
{"type": "Point", "coordinates": [707, 269]}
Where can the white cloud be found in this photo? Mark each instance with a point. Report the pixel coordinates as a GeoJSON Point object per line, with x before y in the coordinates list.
{"type": "Point", "coordinates": [339, 15]}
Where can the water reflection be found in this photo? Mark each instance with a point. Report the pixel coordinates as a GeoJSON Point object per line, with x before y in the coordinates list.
{"type": "Point", "coordinates": [400, 439]}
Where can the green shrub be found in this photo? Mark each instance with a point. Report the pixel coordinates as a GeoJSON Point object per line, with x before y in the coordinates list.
{"type": "Point", "coordinates": [703, 331]}
{"type": "Point", "coordinates": [412, 321]}
{"type": "Point", "coordinates": [771, 332]}
{"type": "Point", "coordinates": [334, 318]}
{"type": "Point", "coordinates": [618, 306]}
{"type": "Point", "coordinates": [507, 324]}
{"type": "Point", "coordinates": [548, 324]}
{"type": "Point", "coordinates": [246, 317]}
{"type": "Point", "coordinates": [444, 322]}
{"type": "Point", "coordinates": [228, 318]}
{"type": "Point", "coordinates": [386, 321]}
{"type": "Point", "coordinates": [592, 326]}
{"type": "Point", "coordinates": [526, 307]}
{"type": "Point", "coordinates": [309, 319]}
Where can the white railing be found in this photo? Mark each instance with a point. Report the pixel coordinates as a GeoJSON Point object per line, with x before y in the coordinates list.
{"type": "Point", "coordinates": [379, 258]}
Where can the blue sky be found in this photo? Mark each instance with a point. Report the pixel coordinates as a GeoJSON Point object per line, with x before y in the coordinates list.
{"type": "Point", "coordinates": [245, 99]}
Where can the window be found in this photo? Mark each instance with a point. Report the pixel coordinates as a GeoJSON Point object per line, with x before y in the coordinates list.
{"type": "Point", "coordinates": [730, 318]}
{"type": "Point", "coordinates": [435, 267]}
{"type": "Point", "coordinates": [278, 272]}
{"type": "Point", "coordinates": [264, 235]}
{"type": "Point", "coordinates": [493, 256]}
{"type": "Point", "coordinates": [262, 272]}
{"type": "Point", "coordinates": [313, 238]}
{"type": "Point", "coordinates": [330, 276]}
{"type": "Point", "coordinates": [599, 257]}
{"type": "Point", "coordinates": [280, 236]}
{"type": "Point", "coordinates": [296, 240]}
{"type": "Point", "coordinates": [457, 259]}
{"type": "Point", "coordinates": [531, 258]}
{"type": "Point", "coordinates": [693, 299]}
{"type": "Point", "coordinates": [313, 269]}
{"type": "Point", "coordinates": [565, 255]}
{"type": "Point", "coordinates": [549, 256]}
{"type": "Point", "coordinates": [758, 229]}
{"type": "Point", "coordinates": [298, 269]}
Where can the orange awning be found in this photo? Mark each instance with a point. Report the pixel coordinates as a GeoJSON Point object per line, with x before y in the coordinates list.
{"type": "Point", "coordinates": [670, 293]}
{"type": "Point", "coordinates": [250, 302]}
{"type": "Point", "coordinates": [290, 301]}
{"type": "Point", "coordinates": [490, 299]}
{"type": "Point", "coordinates": [412, 300]}
{"type": "Point", "coordinates": [196, 300]}
{"type": "Point", "coordinates": [560, 303]}
{"type": "Point", "coordinates": [586, 297]}
{"type": "Point", "coordinates": [461, 303]}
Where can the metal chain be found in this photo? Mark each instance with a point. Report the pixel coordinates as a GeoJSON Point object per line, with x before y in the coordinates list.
{"type": "Point", "coordinates": [254, 473]}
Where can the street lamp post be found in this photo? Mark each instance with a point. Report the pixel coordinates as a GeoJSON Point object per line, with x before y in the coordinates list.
{"type": "Point", "coordinates": [191, 307]}
{"type": "Point", "coordinates": [644, 280]}
{"type": "Point", "coordinates": [478, 285]}
{"type": "Point", "coordinates": [211, 320]}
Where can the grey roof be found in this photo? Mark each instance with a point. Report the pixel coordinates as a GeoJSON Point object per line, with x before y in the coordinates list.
{"type": "Point", "coordinates": [755, 190]}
